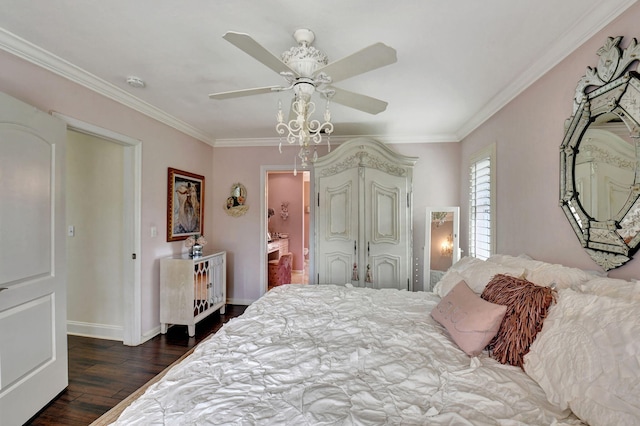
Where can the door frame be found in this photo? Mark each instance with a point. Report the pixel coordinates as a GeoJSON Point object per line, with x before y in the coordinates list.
{"type": "Point", "coordinates": [132, 212]}
{"type": "Point", "coordinates": [264, 170]}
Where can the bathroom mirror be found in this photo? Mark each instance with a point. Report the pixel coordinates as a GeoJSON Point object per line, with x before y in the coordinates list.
{"type": "Point", "coordinates": [235, 204]}
{"type": "Point", "coordinates": [599, 184]}
{"type": "Point", "coordinates": [441, 243]}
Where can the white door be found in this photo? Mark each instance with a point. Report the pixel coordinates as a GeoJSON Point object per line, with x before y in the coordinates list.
{"type": "Point", "coordinates": [33, 341]}
{"type": "Point", "coordinates": [386, 243]}
{"type": "Point", "coordinates": [338, 228]}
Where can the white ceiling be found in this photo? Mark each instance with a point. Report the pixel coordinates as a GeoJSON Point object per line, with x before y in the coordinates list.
{"type": "Point", "coordinates": [459, 61]}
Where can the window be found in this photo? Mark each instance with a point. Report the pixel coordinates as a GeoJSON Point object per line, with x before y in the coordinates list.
{"type": "Point", "coordinates": [482, 203]}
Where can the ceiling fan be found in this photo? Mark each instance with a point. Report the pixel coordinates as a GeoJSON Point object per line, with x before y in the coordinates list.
{"type": "Point", "coordinates": [307, 70]}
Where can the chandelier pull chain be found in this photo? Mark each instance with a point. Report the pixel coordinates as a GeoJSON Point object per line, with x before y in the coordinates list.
{"type": "Point", "coordinates": [295, 167]}
{"type": "Point", "coordinates": [280, 118]}
{"type": "Point", "coordinates": [327, 113]}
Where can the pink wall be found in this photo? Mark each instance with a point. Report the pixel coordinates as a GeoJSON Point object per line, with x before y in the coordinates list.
{"type": "Point", "coordinates": [162, 147]}
{"type": "Point", "coordinates": [240, 236]}
{"type": "Point", "coordinates": [528, 133]}
{"type": "Point", "coordinates": [436, 183]}
{"type": "Point", "coordinates": [287, 187]}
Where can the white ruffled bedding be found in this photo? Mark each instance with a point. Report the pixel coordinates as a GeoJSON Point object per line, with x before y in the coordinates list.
{"type": "Point", "coordinates": [587, 357]}
{"type": "Point", "coordinates": [335, 355]}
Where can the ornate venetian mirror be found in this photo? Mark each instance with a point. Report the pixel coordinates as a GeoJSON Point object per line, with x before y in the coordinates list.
{"type": "Point", "coordinates": [599, 173]}
{"type": "Point", "coordinates": [235, 204]}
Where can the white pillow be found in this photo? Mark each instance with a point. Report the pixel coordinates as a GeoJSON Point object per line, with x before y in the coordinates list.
{"type": "Point", "coordinates": [452, 276]}
{"type": "Point", "coordinates": [543, 273]}
{"type": "Point", "coordinates": [517, 262]}
{"type": "Point", "coordinates": [447, 282]}
{"type": "Point", "coordinates": [558, 276]}
{"type": "Point", "coordinates": [476, 273]}
{"type": "Point", "coordinates": [612, 287]}
{"type": "Point", "coordinates": [465, 263]}
{"type": "Point", "coordinates": [587, 357]}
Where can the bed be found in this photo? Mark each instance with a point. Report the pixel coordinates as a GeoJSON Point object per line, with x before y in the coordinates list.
{"type": "Point", "coordinates": [339, 355]}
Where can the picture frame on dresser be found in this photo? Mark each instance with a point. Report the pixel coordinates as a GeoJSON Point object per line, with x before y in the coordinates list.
{"type": "Point", "coordinates": [185, 204]}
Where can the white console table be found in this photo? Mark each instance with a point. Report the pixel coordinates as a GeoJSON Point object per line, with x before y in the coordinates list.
{"type": "Point", "coordinates": [192, 288]}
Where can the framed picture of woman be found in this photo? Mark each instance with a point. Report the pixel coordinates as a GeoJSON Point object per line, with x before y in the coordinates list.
{"type": "Point", "coordinates": [185, 205]}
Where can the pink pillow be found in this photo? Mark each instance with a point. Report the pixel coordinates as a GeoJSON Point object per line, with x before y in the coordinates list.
{"type": "Point", "coordinates": [527, 305]}
{"type": "Point", "coordinates": [471, 321]}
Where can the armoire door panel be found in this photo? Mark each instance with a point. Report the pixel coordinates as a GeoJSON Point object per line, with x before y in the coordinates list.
{"type": "Point", "coordinates": [337, 227]}
{"type": "Point", "coordinates": [339, 219]}
{"type": "Point", "coordinates": [385, 210]}
{"type": "Point", "coordinates": [387, 229]}
{"type": "Point", "coordinates": [338, 268]}
{"type": "Point", "coordinates": [386, 271]}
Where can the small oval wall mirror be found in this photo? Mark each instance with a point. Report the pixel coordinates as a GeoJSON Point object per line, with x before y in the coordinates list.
{"type": "Point", "coordinates": [235, 205]}
{"type": "Point", "coordinates": [441, 249]}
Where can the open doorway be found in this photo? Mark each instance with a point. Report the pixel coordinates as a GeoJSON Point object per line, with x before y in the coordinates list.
{"type": "Point", "coordinates": [95, 236]}
{"type": "Point", "coordinates": [130, 329]}
{"type": "Point", "coordinates": [288, 220]}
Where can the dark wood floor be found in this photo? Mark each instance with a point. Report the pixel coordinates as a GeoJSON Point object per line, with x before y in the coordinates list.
{"type": "Point", "coordinates": [104, 372]}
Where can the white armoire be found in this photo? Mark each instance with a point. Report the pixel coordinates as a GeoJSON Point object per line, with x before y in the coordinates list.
{"type": "Point", "coordinates": [363, 220]}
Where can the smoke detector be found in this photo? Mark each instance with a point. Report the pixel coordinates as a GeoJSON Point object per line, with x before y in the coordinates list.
{"type": "Point", "coordinates": [135, 82]}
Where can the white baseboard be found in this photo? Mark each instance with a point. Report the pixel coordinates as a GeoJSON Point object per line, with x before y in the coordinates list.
{"type": "Point", "coordinates": [245, 302]}
{"type": "Point", "coordinates": [97, 331]}
{"type": "Point", "coordinates": [150, 334]}
{"type": "Point", "coordinates": [112, 332]}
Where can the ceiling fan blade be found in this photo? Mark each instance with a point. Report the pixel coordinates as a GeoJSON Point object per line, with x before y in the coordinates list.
{"type": "Point", "coordinates": [372, 57]}
{"type": "Point", "coordinates": [245, 92]}
{"type": "Point", "coordinates": [252, 48]}
{"type": "Point", "coordinates": [358, 101]}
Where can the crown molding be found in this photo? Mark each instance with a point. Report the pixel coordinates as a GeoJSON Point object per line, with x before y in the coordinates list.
{"type": "Point", "coordinates": [411, 139]}
{"type": "Point", "coordinates": [389, 140]}
{"type": "Point", "coordinates": [23, 49]}
{"type": "Point", "coordinates": [593, 20]}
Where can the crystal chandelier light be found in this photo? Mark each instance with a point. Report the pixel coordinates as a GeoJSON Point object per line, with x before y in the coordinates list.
{"type": "Point", "coordinates": [301, 129]}
{"type": "Point", "coordinates": [438, 218]}
{"type": "Point", "coordinates": [447, 247]}
{"type": "Point", "coordinates": [304, 130]}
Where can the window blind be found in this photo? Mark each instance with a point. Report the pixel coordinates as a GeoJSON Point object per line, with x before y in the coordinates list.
{"type": "Point", "coordinates": [480, 208]}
